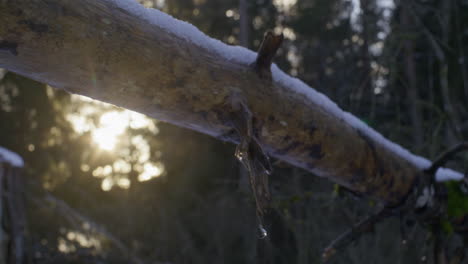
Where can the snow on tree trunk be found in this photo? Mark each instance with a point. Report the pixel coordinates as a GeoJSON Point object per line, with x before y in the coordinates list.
{"type": "Point", "coordinates": [118, 52]}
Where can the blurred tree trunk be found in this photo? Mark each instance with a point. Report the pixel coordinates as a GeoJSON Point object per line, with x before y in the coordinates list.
{"type": "Point", "coordinates": [454, 133]}
{"type": "Point", "coordinates": [244, 23]}
{"type": "Point", "coordinates": [243, 41]}
{"type": "Point", "coordinates": [366, 82]}
{"type": "Point", "coordinates": [449, 107]}
{"type": "Point", "coordinates": [407, 24]}
{"type": "Point", "coordinates": [103, 51]}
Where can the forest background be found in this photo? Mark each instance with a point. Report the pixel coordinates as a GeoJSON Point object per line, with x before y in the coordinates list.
{"type": "Point", "coordinates": [139, 190]}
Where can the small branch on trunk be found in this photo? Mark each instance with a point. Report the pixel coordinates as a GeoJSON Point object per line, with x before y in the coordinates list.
{"type": "Point", "coordinates": [266, 52]}
{"type": "Point", "coordinates": [445, 157]}
{"type": "Point", "coordinates": [249, 151]}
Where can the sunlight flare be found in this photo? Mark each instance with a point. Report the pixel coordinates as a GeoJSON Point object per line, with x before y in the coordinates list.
{"type": "Point", "coordinates": [150, 171]}
{"type": "Point", "coordinates": [112, 130]}
{"type": "Point", "coordinates": [112, 125]}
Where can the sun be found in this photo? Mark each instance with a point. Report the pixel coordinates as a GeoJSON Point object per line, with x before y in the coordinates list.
{"type": "Point", "coordinates": [111, 125]}
{"type": "Point", "coordinates": [109, 130]}
{"type": "Point", "coordinates": [105, 138]}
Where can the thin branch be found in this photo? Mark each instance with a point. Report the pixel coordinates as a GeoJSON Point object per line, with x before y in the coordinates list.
{"type": "Point", "coordinates": [446, 156]}
{"type": "Point", "coordinates": [73, 216]}
{"type": "Point", "coordinates": [435, 44]}
{"type": "Point", "coordinates": [443, 72]}
{"type": "Point", "coordinates": [365, 226]}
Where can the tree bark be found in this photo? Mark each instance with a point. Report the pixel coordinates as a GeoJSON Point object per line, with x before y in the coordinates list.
{"type": "Point", "coordinates": [98, 49]}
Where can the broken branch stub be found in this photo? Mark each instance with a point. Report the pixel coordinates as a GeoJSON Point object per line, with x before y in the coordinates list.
{"type": "Point", "coordinates": [270, 45]}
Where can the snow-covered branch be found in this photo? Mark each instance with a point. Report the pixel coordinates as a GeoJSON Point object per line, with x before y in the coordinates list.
{"type": "Point", "coordinates": [142, 59]}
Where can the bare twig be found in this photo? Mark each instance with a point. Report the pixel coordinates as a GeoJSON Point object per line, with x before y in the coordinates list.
{"type": "Point", "coordinates": [446, 156]}
{"type": "Point", "coordinates": [74, 216]}
{"type": "Point", "coordinates": [438, 48]}
{"type": "Point", "coordinates": [365, 226]}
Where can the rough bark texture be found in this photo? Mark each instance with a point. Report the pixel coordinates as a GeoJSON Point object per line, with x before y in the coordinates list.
{"type": "Point", "coordinates": [94, 48]}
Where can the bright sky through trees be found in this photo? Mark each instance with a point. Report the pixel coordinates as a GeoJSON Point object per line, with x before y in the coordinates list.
{"type": "Point", "coordinates": [109, 127]}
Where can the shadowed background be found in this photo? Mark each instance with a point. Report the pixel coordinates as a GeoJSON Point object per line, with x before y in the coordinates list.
{"type": "Point", "coordinates": [143, 191]}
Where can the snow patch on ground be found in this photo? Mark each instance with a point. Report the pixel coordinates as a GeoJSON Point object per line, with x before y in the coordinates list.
{"type": "Point", "coordinates": [242, 55]}
{"type": "Point", "coordinates": [11, 158]}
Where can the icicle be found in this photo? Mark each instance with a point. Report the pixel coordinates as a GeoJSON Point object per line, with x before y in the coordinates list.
{"type": "Point", "coordinates": [250, 153]}
{"type": "Point", "coordinates": [262, 233]}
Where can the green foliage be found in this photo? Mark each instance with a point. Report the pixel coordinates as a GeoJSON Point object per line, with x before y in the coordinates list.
{"type": "Point", "coordinates": [457, 203]}
{"type": "Point", "coordinates": [446, 226]}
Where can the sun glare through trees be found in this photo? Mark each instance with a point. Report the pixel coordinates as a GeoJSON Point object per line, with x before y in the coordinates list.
{"type": "Point", "coordinates": [94, 183]}
{"type": "Point", "coordinates": [109, 129]}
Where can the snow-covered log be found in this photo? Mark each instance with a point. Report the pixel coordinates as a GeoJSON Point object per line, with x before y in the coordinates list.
{"type": "Point", "coordinates": [10, 158]}
{"type": "Point", "coordinates": [119, 52]}
{"type": "Point", "coordinates": [12, 214]}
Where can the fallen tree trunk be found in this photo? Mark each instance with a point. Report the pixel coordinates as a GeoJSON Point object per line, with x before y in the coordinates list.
{"type": "Point", "coordinates": [12, 211]}
{"type": "Point", "coordinates": [114, 52]}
